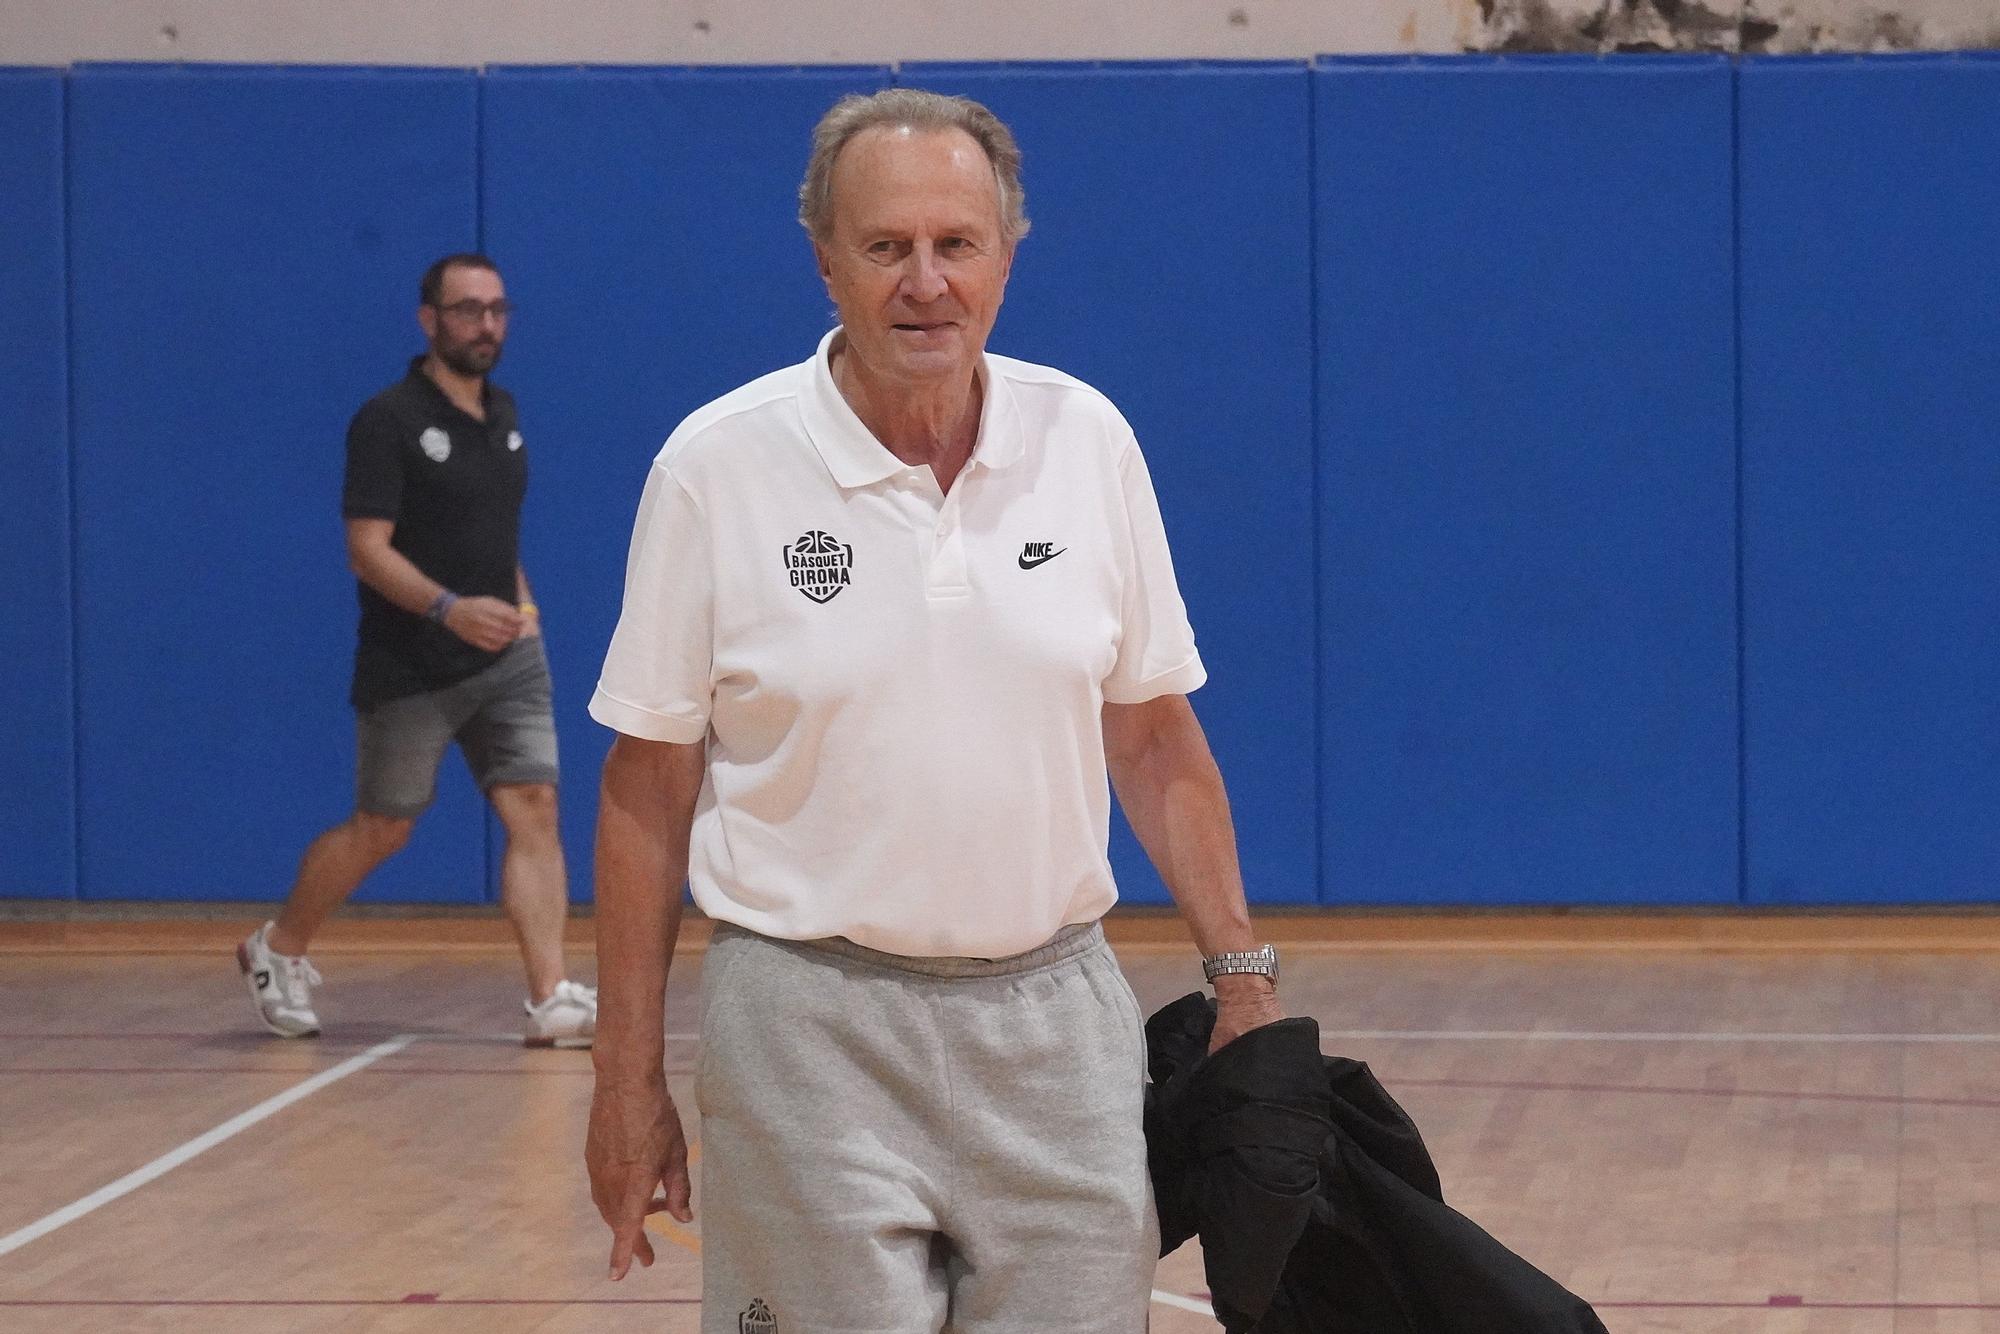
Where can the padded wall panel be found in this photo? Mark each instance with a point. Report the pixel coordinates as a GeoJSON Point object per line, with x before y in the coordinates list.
{"type": "Point", "coordinates": [1170, 265]}
{"type": "Point", "coordinates": [1527, 481]}
{"type": "Point", "coordinates": [646, 224]}
{"type": "Point", "coordinates": [1871, 400]}
{"type": "Point", "coordinates": [246, 245]}
{"type": "Point", "coordinates": [37, 703]}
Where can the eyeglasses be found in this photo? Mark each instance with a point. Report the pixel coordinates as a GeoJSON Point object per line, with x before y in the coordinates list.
{"type": "Point", "coordinates": [472, 311]}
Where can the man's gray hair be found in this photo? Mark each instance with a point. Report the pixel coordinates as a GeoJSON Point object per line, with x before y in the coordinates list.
{"type": "Point", "coordinates": [918, 110]}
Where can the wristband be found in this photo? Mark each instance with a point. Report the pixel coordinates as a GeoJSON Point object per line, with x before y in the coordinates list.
{"type": "Point", "coordinates": [442, 607]}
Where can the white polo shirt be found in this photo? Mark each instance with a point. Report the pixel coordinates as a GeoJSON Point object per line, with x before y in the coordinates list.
{"type": "Point", "coordinates": [900, 689]}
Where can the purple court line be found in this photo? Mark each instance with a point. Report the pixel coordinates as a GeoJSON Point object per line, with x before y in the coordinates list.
{"type": "Point", "coordinates": [1534, 1086]}
{"type": "Point", "coordinates": [263, 1070]}
{"type": "Point", "coordinates": [1795, 1304]}
{"type": "Point", "coordinates": [414, 1299]}
{"type": "Point", "coordinates": [1776, 1303]}
{"type": "Point", "coordinates": [439, 1035]}
{"type": "Point", "coordinates": [580, 1072]}
{"type": "Point", "coordinates": [326, 1040]}
{"type": "Point", "coordinates": [129, 1037]}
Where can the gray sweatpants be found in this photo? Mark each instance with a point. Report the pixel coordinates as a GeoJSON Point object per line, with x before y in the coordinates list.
{"type": "Point", "coordinates": [903, 1146]}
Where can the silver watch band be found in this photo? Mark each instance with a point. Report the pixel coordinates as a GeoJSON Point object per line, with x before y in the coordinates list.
{"type": "Point", "coordinates": [1263, 962]}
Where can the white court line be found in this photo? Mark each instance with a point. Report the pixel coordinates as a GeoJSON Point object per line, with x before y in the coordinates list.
{"type": "Point", "coordinates": [201, 1144]}
{"type": "Point", "coordinates": [1495, 1035]}
{"type": "Point", "coordinates": [1182, 1303]}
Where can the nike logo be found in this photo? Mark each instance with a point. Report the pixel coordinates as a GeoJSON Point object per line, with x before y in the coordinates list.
{"type": "Point", "coordinates": [1038, 553]}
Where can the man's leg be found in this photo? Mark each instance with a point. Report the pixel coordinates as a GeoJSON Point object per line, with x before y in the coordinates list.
{"type": "Point", "coordinates": [273, 960]}
{"type": "Point", "coordinates": [399, 746]}
{"type": "Point", "coordinates": [825, 1144]}
{"type": "Point", "coordinates": [1053, 1225]}
{"type": "Point", "coordinates": [534, 886]}
{"type": "Point", "coordinates": [333, 867]}
{"type": "Point", "coordinates": [509, 741]}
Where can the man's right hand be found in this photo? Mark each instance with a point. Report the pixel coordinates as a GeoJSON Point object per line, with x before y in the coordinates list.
{"type": "Point", "coordinates": [484, 622]}
{"type": "Point", "coordinates": [634, 1148]}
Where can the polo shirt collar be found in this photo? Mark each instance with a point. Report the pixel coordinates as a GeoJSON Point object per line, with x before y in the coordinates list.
{"type": "Point", "coordinates": [856, 458]}
{"type": "Point", "coordinates": [426, 385]}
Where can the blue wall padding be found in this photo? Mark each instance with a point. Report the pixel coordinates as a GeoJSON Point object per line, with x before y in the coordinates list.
{"type": "Point", "coordinates": [1170, 265]}
{"type": "Point", "coordinates": [1435, 361]}
{"type": "Point", "coordinates": [646, 224]}
{"type": "Point", "coordinates": [37, 710]}
{"type": "Point", "coordinates": [1526, 432]}
{"type": "Point", "coordinates": [1871, 479]}
{"type": "Point", "coordinates": [246, 245]}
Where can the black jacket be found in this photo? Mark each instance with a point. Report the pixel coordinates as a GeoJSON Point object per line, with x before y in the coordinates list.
{"type": "Point", "coordinates": [1316, 1202]}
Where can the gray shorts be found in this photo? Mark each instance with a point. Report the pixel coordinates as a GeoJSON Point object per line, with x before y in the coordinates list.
{"type": "Point", "coordinates": [501, 717]}
{"type": "Point", "coordinates": [902, 1146]}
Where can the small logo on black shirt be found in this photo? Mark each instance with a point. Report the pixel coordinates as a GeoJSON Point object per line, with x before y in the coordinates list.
{"type": "Point", "coordinates": [757, 1319]}
{"type": "Point", "coordinates": [436, 444]}
{"type": "Point", "coordinates": [1039, 553]}
{"type": "Point", "coordinates": [513, 439]}
{"type": "Point", "coordinates": [820, 565]}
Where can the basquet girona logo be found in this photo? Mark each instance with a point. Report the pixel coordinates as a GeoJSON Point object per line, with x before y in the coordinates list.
{"type": "Point", "coordinates": [819, 565]}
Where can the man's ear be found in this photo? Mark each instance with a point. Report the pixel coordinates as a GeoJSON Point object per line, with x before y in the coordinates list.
{"type": "Point", "coordinates": [427, 320]}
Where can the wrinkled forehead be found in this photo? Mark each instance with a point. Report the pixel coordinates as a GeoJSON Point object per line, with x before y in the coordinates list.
{"type": "Point", "coordinates": [892, 173]}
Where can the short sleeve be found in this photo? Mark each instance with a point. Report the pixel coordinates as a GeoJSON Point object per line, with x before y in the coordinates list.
{"type": "Point", "coordinates": [656, 678]}
{"type": "Point", "coordinates": [373, 488]}
{"type": "Point", "coordinates": [1156, 652]}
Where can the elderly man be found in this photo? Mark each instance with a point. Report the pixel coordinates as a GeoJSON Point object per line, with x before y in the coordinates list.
{"type": "Point", "coordinates": [889, 617]}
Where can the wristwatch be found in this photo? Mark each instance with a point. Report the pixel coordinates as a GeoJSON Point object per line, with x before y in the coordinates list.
{"type": "Point", "coordinates": [1263, 962]}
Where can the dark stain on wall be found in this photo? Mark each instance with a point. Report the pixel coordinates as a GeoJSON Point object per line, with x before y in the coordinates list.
{"type": "Point", "coordinates": [1532, 25]}
{"type": "Point", "coordinates": [1604, 26]}
{"type": "Point", "coordinates": [1755, 34]}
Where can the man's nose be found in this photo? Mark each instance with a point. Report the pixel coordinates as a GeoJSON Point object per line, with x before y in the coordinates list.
{"type": "Point", "coordinates": [923, 277]}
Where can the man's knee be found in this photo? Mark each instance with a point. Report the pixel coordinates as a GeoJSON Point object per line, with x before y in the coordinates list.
{"type": "Point", "coordinates": [528, 810]}
{"type": "Point", "coordinates": [382, 835]}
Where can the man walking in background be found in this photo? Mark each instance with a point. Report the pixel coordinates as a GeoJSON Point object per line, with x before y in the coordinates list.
{"type": "Point", "coordinates": [449, 649]}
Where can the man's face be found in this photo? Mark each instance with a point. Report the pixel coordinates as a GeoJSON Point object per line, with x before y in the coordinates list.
{"type": "Point", "coordinates": [915, 258]}
{"type": "Point", "coordinates": [465, 328]}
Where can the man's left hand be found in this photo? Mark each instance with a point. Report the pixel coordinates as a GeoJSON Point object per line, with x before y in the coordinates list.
{"type": "Point", "coordinates": [1243, 1001]}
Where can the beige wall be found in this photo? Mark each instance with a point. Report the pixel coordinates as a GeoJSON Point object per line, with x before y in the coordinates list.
{"type": "Point", "coordinates": [478, 32]}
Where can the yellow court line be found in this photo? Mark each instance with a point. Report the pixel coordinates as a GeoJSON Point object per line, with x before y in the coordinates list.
{"type": "Point", "coordinates": [663, 1225]}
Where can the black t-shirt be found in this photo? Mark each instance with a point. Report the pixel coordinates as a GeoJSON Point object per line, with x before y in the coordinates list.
{"type": "Point", "coordinates": [453, 487]}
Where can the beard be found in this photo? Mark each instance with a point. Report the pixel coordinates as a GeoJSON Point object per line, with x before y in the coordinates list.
{"type": "Point", "coordinates": [474, 356]}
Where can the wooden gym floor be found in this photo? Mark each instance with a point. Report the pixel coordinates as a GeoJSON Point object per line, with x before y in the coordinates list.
{"type": "Point", "coordinates": [1770, 1125]}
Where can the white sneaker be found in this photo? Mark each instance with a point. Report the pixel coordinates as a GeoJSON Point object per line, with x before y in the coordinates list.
{"type": "Point", "coordinates": [568, 1018]}
{"type": "Point", "coordinates": [280, 986]}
